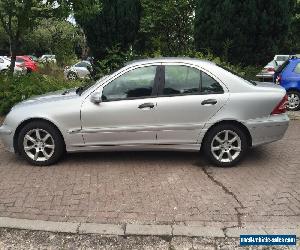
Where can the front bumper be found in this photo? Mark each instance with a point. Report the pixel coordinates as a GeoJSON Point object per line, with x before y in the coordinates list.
{"type": "Point", "coordinates": [269, 129]}
{"type": "Point", "coordinates": [6, 136]}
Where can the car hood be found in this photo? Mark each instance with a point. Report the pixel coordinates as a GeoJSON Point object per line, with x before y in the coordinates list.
{"type": "Point", "coordinates": [50, 97]}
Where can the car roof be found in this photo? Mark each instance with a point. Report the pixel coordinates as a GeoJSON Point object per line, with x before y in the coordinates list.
{"type": "Point", "coordinates": [187, 60]}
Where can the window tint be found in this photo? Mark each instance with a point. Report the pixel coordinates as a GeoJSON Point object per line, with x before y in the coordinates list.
{"type": "Point", "coordinates": [82, 65]}
{"type": "Point", "coordinates": [297, 69]}
{"type": "Point", "coordinates": [210, 85]}
{"type": "Point", "coordinates": [134, 84]}
{"type": "Point", "coordinates": [181, 80]}
{"type": "Point", "coordinates": [21, 60]}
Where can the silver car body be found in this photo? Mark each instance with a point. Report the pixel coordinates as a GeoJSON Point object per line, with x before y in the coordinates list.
{"type": "Point", "coordinates": [80, 69]}
{"type": "Point", "coordinates": [176, 122]}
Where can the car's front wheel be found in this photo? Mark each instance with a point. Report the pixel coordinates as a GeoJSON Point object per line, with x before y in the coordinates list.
{"type": "Point", "coordinates": [40, 143]}
{"type": "Point", "coordinates": [225, 145]}
{"type": "Point", "coordinates": [294, 100]}
{"type": "Point", "coordinates": [72, 76]}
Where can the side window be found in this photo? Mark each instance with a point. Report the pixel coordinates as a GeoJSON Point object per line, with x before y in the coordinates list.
{"type": "Point", "coordinates": [297, 69]}
{"type": "Point", "coordinates": [133, 84]}
{"type": "Point", "coordinates": [20, 60]}
{"type": "Point", "coordinates": [210, 85]}
{"type": "Point", "coordinates": [82, 65]}
{"type": "Point", "coordinates": [181, 80]}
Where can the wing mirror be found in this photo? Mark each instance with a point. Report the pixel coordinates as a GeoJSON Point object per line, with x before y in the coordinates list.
{"type": "Point", "coordinates": [96, 97]}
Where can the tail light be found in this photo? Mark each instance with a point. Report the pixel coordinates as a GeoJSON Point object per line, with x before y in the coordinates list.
{"type": "Point", "coordinates": [278, 80]}
{"type": "Point", "coordinates": [270, 69]}
{"type": "Point", "coordinates": [281, 107]}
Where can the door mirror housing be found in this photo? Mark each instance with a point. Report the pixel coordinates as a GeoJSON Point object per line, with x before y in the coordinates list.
{"type": "Point", "coordinates": [96, 97]}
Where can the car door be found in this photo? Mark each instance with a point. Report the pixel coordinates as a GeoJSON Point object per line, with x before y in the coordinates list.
{"type": "Point", "coordinates": [188, 98]}
{"type": "Point", "coordinates": [82, 70]}
{"type": "Point", "coordinates": [126, 115]}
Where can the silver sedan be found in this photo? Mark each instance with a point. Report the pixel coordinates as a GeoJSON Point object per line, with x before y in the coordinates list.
{"type": "Point", "coordinates": [78, 70]}
{"type": "Point", "coordinates": [158, 104]}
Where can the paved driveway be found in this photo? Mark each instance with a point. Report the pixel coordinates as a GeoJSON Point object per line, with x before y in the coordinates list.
{"type": "Point", "coordinates": [157, 187]}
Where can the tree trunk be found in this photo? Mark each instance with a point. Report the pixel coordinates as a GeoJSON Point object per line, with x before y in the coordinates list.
{"type": "Point", "coordinates": [13, 56]}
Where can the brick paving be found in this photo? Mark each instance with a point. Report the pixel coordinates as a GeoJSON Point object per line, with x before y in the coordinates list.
{"type": "Point", "coordinates": [157, 187]}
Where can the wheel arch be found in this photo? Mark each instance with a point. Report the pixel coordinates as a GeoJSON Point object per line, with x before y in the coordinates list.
{"type": "Point", "coordinates": [231, 122]}
{"type": "Point", "coordinates": [24, 123]}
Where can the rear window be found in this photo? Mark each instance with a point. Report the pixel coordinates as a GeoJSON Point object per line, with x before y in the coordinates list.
{"type": "Point", "coordinates": [297, 68]}
{"type": "Point", "coordinates": [282, 58]}
{"type": "Point", "coordinates": [238, 75]}
{"type": "Point", "coordinates": [283, 66]}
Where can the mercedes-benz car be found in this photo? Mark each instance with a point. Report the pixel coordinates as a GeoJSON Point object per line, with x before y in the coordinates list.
{"type": "Point", "coordinates": [154, 104]}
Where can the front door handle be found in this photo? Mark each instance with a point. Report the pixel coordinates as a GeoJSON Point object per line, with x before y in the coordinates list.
{"type": "Point", "coordinates": [209, 102]}
{"type": "Point", "coordinates": [146, 105]}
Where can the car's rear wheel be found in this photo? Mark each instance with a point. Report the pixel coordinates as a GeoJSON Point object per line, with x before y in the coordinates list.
{"type": "Point", "coordinates": [294, 100]}
{"type": "Point", "coordinates": [72, 76]}
{"type": "Point", "coordinates": [40, 143]}
{"type": "Point", "coordinates": [225, 145]}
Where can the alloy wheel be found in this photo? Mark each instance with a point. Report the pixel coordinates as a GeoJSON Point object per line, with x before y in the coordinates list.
{"type": "Point", "coordinates": [226, 146]}
{"type": "Point", "coordinates": [39, 145]}
{"type": "Point", "coordinates": [294, 101]}
{"type": "Point", "coordinates": [72, 76]}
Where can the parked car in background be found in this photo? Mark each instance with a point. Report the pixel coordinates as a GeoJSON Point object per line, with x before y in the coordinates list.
{"type": "Point", "coordinates": [288, 76]}
{"type": "Point", "coordinates": [280, 59]}
{"type": "Point", "coordinates": [5, 62]}
{"type": "Point", "coordinates": [47, 59]}
{"type": "Point", "coordinates": [30, 65]}
{"type": "Point", "coordinates": [267, 73]}
{"type": "Point", "coordinates": [162, 104]}
{"type": "Point", "coordinates": [78, 70]}
{"type": "Point", "coordinates": [33, 58]}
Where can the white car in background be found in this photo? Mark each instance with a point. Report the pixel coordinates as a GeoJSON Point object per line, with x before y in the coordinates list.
{"type": "Point", "coordinates": [5, 62]}
{"type": "Point", "coordinates": [267, 73]}
{"type": "Point", "coordinates": [78, 70]}
{"type": "Point", "coordinates": [280, 59]}
{"type": "Point", "coordinates": [47, 59]}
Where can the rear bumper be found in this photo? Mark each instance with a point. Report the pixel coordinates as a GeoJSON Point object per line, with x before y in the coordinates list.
{"type": "Point", "coordinates": [269, 129]}
{"type": "Point", "coordinates": [265, 76]}
{"type": "Point", "coordinates": [6, 137]}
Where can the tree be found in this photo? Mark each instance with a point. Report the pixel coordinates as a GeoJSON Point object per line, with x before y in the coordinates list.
{"type": "Point", "coordinates": [20, 16]}
{"type": "Point", "coordinates": [167, 26]}
{"type": "Point", "coordinates": [246, 32]}
{"type": "Point", "coordinates": [108, 23]}
{"type": "Point", "coordinates": [54, 36]}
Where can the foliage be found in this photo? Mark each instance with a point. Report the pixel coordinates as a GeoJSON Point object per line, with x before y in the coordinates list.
{"type": "Point", "coordinates": [15, 89]}
{"type": "Point", "coordinates": [54, 36]}
{"type": "Point", "coordinates": [247, 32]}
{"type": "Point", "coordinates": [17, 17]}
{"type": "Point", "coordinates": [108, 23]}
{"type": "Point", "coordinates": [166, 27]}
{"type": "Point", "coordinates": [293, 42]}
{"type": "Point", "coordinates": [115, 59]}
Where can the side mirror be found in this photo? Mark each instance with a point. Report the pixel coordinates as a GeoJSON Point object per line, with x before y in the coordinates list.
{"type": "Point", "coordinates": [96, 98]}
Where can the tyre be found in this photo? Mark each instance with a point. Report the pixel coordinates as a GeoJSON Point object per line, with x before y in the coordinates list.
{"type": "Point", "coordinates": [72, 76]}
{"type": "Point", "coordinates": [294, 100]}
{"type": "Point", "coordinates": [225, 145]}
{"type": "Point", "coordinates": [40, 143]}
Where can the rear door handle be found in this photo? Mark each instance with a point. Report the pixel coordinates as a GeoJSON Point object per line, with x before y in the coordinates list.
{"type": "Point", "coordinates": [147, 105]}
{"type": "Point", "coordinates": [209, 102]}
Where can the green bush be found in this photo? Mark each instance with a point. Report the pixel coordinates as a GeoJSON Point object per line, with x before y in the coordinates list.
{"type": "Point", "coordinates": [15, 89]}
{"type": "Point", "coordinates": [248, 72]}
